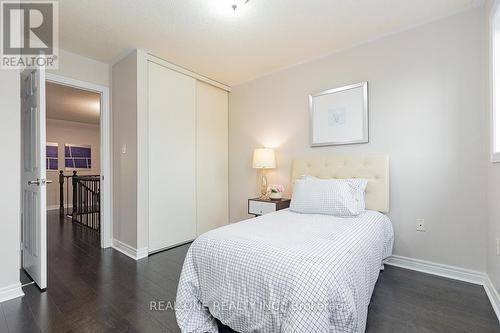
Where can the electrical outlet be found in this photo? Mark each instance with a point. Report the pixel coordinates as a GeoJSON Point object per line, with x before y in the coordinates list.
{"type": "Point", "coordinates": [497, 243]}
{"type": "Point", "coordinates": [421, 225]}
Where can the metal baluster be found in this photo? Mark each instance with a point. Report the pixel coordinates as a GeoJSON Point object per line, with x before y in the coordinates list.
{"type": "Point", "coordinates": [75, 197]}
{"type": "Point", "coordinates": [87, 196]}
{"type": "Point", "coordinates": [93, 205]}
{"type": "Point", "coordinates": [99, 205]}
{"type": "Point", "coordinates": [61, 194]}
{"type": "Point", "coordinates": [66, 204]}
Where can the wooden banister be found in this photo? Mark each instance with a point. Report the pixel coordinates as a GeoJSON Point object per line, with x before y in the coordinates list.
{"type": "Point", "coordinates": [86, 198]}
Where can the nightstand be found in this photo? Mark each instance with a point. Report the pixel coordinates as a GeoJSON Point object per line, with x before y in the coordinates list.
{"type": "Point", "coordinates": [259, 207]}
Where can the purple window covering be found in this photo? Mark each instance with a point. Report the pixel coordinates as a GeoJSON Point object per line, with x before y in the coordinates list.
{"type": "Point", "coordinates": [78, 157]}
{"type": "Point", "coordinates": [80, 152]}
{"type": "Point", "coordinates": [51, 151]}
{"type": "Point", "coordinates": [52, 164]}
{"type": "Point", "coordinates": [80, 163]}
{"type": "Point", "coordinates": [68, 163]}
{"type": "Point", "coordinates": [52, 155]}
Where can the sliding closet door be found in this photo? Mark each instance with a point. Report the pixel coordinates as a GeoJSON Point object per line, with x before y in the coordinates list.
{"type": "Point", "coordinates": [172, 157]}
{"type": "Point", "coordinates": [212, 157]}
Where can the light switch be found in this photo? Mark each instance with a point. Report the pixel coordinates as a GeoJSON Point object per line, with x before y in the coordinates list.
{"type": "Point", "coordinates": [421, 225]}
{"type": "Point", "coordinates": [124, 148]}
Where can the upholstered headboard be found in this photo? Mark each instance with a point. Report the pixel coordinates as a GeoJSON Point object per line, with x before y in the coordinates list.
{"type": "Point", "coordinates": [375, 168]}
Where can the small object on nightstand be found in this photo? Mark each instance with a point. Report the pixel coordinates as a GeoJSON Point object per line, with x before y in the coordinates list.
{"type": "Point", "coordinates": [276, 191]}
{"type": "Point", "coordinates": [260, 207]}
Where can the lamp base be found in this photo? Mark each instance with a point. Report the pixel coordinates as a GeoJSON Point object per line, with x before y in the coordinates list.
{"type": "Point", "coordinates": [263, 186]}
{"type": "Point", "coordinates": [264, 197]}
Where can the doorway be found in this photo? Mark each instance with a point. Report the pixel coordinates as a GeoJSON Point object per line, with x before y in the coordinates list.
{"type": "Point", "coordinates": [104, 149]}
{"type": "Point", "coordinates": [73, 163]}
{"type": "Point", "coordinates": [84, 160]}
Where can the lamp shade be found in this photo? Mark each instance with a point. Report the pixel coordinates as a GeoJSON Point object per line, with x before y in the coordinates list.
{"type": "Point", "coordinates": [264, 158]}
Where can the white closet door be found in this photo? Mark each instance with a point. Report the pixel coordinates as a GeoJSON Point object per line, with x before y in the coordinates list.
{"type": "Point", "coordinates": [212, 157]}
{"type": "Point", "coordinates": [172, 157]}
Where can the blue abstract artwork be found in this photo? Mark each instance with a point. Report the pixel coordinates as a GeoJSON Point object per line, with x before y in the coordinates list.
{"type": "Point", "coordinates": [77, 156]}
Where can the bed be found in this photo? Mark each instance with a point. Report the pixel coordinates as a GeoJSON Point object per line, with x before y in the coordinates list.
{"type": "Point", "coordinates": [292, 272]}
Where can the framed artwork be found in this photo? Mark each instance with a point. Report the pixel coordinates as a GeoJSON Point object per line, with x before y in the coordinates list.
{"type": "Point", "coordinates": [339, 116]}
{"type": "Point", "coordinates": [52, 156]}
{"type": "Point", "coordinates": [77, 157]}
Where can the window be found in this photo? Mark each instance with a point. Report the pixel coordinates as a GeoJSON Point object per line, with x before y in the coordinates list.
{"type": "Point", "coordinates": [77, 157]}
{"type": "Point", "coordinates": [495, 72]}
{"type": "Point", "coordinates": [52, 156]}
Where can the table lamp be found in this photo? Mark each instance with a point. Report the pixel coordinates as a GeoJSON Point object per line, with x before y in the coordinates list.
{"type": "Point", "coordinates": [264, 158]}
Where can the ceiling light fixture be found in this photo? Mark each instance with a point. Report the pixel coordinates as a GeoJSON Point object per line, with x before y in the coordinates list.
{"type": "Point", "coordinates": [238, 3]}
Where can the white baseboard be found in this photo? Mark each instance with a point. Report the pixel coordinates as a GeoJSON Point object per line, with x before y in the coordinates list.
{"type": "Point", "coordinates": [492, 293]}
{"type": "Point", "coordinates": [450, 272]}
{"type": "Point", "coordinates": [107, 242]}
{"type": "Point", "coordinates": [130, 251]}
{"type": "Point", "coordinates": [142, 253]}
{"type": "Point", "coordinates": [433, 268]}
{"type": "Point", "coordinates": [11, 292]}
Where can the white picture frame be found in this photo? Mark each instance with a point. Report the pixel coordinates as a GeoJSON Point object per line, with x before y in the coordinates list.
{"type": "Point", "coordinates": [339, 116]}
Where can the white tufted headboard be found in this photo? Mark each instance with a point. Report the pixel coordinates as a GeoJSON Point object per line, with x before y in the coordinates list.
{"type": "Point", "coordinates": [373, 167]}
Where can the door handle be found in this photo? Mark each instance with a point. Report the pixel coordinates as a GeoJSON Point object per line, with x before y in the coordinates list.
{"type": "Point", "coordinates": [39, 182]}
{"type": "Point", "coordinates": [34, 182]}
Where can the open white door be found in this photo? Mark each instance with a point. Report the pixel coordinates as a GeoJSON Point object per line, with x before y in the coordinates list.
{"type": "Point", "coordinates": [34, 218]}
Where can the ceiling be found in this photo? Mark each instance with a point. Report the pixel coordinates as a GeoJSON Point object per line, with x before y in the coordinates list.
{"type": "Point", "coordinates": [208, 37]}
{"type": "Point", "coordinates": [72, 104]}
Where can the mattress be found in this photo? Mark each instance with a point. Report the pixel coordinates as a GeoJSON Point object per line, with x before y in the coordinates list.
{"type": "Point", "coordinates": [284, 272]}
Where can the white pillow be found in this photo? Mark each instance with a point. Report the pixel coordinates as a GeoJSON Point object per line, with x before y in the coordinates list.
{"type": "Point", "coordinates": [340, 197]}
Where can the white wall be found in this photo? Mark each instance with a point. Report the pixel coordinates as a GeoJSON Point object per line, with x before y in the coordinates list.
{"type": "Point", "coordinates": [81, 68]}
{"type": "Point", "coordinates": [493, 228]}
{"type": "Point", "coordinates": [124, 99]}
{"type": "Point", "coordinates": [10, 135]}
{"type": "Point", "coordinates": [142, 151]}
{"type": "Point", "coordinates": [427, 110]}
{"type": "Point", "coordinates": [62, 132]}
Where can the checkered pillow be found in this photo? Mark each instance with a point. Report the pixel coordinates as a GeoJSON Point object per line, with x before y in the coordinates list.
{"type": "Point", "coordinates": [339, 197]}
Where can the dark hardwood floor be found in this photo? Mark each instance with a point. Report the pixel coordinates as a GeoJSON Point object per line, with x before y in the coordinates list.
{"type": "Point", "coordinates": [95, 290]}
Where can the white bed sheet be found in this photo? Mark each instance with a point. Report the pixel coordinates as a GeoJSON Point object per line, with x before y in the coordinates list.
{"type": "Point", "coordinates": [284, 272]}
